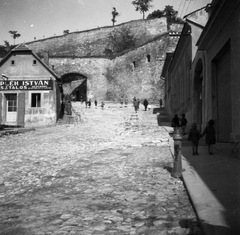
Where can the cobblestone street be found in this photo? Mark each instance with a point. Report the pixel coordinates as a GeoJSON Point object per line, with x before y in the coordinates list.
{"type": "Point", "coordinates": [106, 175]}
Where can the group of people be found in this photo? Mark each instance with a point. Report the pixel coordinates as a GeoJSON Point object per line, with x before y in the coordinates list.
{"type": "Point", "coordinates": [89, 103]}
{"type": "Point", "coordinates": [195, 135]}
{"type": "Point", "coordinates": [180, 122]}
{"type": "Point", "coordinates": [136, 104]}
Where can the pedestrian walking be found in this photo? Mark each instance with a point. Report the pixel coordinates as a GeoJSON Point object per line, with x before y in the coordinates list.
{"type": "Point", "coordinates": [210, 133]}
{"type": "Point", "coordinates": [121, 101]}
{"type": "Point", "coordinates": [183, 123]}
{"type": "Point", "coordinates": [89, 103]}
{"type": "Point", "coordinates": [145, 103]}
{"type": "Point", "coordinates": [95, 102]}
{"type": "Point", "coordinates": [126, 101]}
{"type": "Point", "coordinates": [160, 102]}
{"type": "Point", "coordinates": [135, 105]}
{"type": "Point", "coordinates": [175, 121]}
{"type": "Point", "coordinates": [134, 99]}
{"type": "Point", "coordinates": [194, 136]}
{"type": "Point", "coordinates": [138, 103]}
{"type": "Point", "coordinates": [102, 105]}
{"type": "Point", "coordinates": [68, 107]}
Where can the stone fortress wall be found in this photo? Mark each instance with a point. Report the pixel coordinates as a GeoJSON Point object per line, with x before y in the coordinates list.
{"type": "Point", "coordinates": [134, 72]}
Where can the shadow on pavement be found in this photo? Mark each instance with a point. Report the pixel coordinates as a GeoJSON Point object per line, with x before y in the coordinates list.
{"type": "Point", "coordinates": [220, 176]}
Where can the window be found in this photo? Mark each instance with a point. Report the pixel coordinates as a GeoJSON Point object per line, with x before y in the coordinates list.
{"type": "Point", "coordinates": [34, 62]}
{"type": "Point", "coordinates": [36, 100]}
{"type": "Point", "coordinates": [12, 62]}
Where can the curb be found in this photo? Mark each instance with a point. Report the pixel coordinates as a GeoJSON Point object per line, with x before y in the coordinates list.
{"type": "Point", "coordinates": [15, 131]}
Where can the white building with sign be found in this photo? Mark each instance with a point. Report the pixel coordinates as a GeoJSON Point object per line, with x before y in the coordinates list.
{"type": "Point", "coordinates": [29, 90]}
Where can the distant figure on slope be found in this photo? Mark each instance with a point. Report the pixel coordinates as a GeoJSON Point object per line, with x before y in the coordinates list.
{"type": "Point", "coordinates": [194, 136]}
{"type": "Point", "coordinates": [160, 102]}
{"type": "Point", "coordinates": [145, 103]}
{"type": "Point", "coordinates": [102, 105]}
{"type": "Point", "coordinates": [135, 105]}
{"type": "Point", "coordinates": [138, 103]}
{"type": "Point", "coordinates": [68, 107]}
{"type": "Point", "coordinates": [95, 102]}
{"type": "Point", "coordinates": [126, 101]}
{"type": "Point", "coordinates": [89, 103]}
{"type": "Point", "coordinates": [121, 101]}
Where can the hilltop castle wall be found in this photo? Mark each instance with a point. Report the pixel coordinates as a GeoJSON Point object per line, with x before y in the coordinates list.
{"type": "Point", "coordinates": [135, 72]}
{"type": "Point", "coordinates": [94, 42]}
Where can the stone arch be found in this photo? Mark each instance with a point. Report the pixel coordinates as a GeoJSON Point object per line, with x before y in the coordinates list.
{"type": "Point", "coordinates": [75, 84]}
{"type": "Point", "coordinates": [198, 95]}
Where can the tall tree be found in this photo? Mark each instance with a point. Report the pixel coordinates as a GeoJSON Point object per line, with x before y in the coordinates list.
{"type": "Point", "coordinates": [14, 34]}
{"type": "Point", "coordinates": [114, 14]}
{"type": "Point", "coordinates": [170, 13]}
{"type": "Point", "coordinates": [142, 6]}
{"type": "Point", "coordinates": [156, 14]}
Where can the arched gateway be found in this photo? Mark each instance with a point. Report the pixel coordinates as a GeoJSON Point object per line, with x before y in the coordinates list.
{"type": "Point", "coordinates": [75, 84]}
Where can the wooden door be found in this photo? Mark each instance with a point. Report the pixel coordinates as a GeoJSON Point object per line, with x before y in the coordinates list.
{"type": "Point", "coordinates": [11, 108]}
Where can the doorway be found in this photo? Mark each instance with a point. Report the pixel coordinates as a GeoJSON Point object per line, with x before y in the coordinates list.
{"type": "Point", "coordinates": [75, 84]}
{"type": "Point", "coordinates": [11, 108]}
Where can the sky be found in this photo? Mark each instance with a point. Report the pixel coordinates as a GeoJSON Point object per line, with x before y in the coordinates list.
{"type": "Point", "coordinates": [46, 18]}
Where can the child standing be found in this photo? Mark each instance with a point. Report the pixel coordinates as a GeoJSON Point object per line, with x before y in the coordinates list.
{"type": "Point", "coordinates": [194, 136]}
{"type": "Point", "coordinates": [210, 133]}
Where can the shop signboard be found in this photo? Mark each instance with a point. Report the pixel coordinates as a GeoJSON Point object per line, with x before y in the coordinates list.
{"type": "Point", "coordinates": [8, 85]}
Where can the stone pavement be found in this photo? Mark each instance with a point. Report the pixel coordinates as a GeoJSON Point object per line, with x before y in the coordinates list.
{"type": "Point", "coordinates": [106, 175]}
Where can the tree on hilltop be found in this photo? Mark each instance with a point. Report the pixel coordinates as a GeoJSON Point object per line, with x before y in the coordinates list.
{"type": "Point", "coordinates": [66, 31]}
{"type": "Point", "coordinates": [168, 12]}
{"type": "Point", "coordinates": [114, 14]}
{"type": "Point", "coordinates": [156, 14]}
{"type": "Point", "coordinates": [14, 34]}
{"type": "Point", "coordinates": [142, 6]}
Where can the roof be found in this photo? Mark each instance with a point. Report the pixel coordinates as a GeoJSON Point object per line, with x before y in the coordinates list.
{"type": "Point", "coordinates": [21, 47]}
{"type": "Point", "coordinates": [215, 8]}
{"type": "Point", "coordinates": [24, 48]}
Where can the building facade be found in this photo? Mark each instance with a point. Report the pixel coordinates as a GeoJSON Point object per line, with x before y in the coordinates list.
{"type": "Point", "coordinates": [182, 95]}
{"type": "Point", "coordinates": [214, 72]}
{"type": "Point", "coordinates": [216, 69]}
{"type": "Point", "coordinates": [29, 90]}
